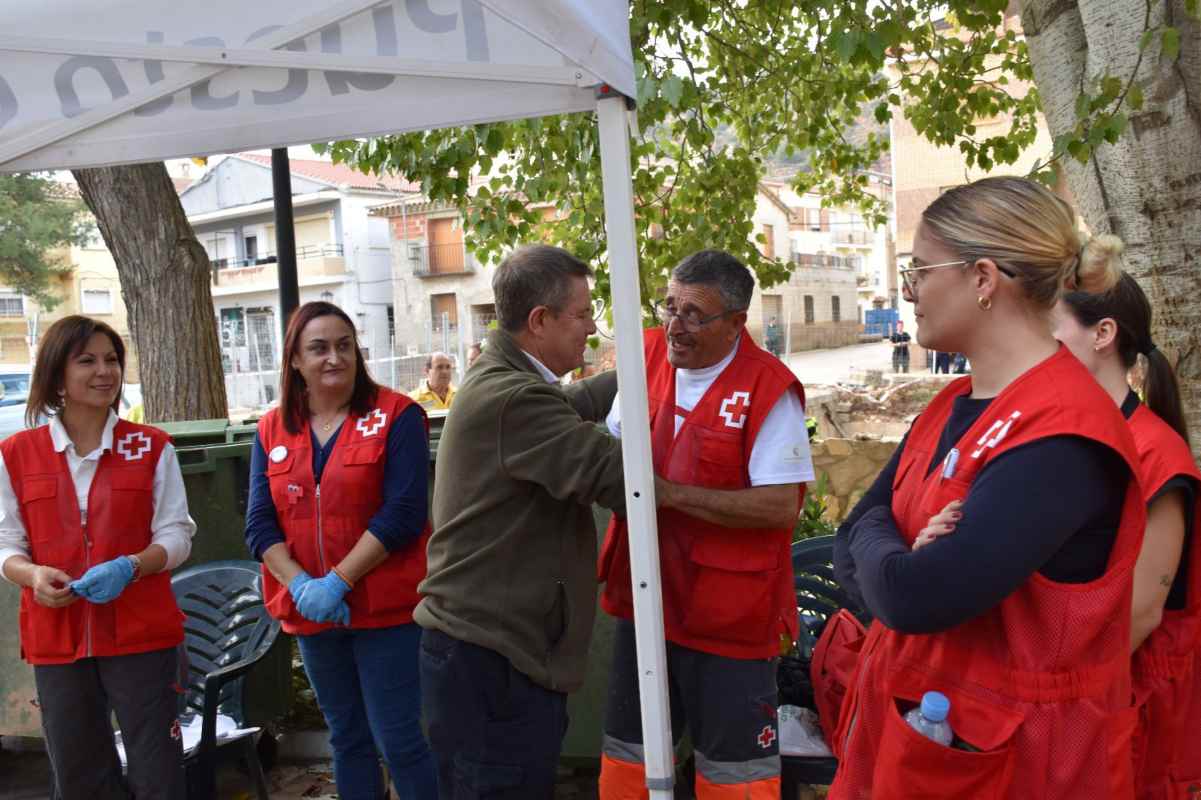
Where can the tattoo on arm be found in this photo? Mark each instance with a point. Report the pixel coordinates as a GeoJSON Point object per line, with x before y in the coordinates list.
{"type": "Point", "coordinates": [1165, 580]}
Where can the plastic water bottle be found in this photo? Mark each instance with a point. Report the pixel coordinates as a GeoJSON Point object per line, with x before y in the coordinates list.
{"type": "Point", "coordinates": [930, 718]}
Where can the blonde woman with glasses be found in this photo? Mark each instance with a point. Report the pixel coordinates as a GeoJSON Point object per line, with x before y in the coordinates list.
{"type": "Point", "coordinates": [1022, 617]}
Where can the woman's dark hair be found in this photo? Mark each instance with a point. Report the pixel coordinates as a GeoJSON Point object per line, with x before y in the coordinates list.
{"type": "Point", "coordinates": [63, 341]}
{"type": "Point", "coordinates": [1128, 307]}
{"type": "Point", "coordinates": [292, 387]}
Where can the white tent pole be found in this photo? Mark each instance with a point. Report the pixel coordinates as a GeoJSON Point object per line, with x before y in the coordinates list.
{"type": "Point", "coordinates": [636, 445]}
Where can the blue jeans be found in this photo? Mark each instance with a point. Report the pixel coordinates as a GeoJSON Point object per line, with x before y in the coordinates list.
{"type": "Point", "coordinates": [368, 688]}
{"type": "Point", "coordinates": [496, 733]}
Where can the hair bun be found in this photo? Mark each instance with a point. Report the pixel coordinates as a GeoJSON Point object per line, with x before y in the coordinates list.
{"type": "Point", "coordinates": [1100, 264]}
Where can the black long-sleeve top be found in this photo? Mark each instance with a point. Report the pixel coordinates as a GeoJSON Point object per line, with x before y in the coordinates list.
{"type": "Point", "coordinates": [1052, 506]}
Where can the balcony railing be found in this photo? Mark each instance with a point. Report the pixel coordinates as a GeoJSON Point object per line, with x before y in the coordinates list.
{"type": "Point", "coordinates": [825, 260]}
{"type": "Point", "coordinates": [851, 236]}
{"type": "Point", "coordinates": [440, 259]}
{"type": "Point", "coordinates": [307, 251]}
{"type": "Point", "coordinates": [311, 261]}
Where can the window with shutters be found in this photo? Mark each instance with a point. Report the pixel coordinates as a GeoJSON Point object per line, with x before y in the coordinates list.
{"type": "Point", "coordinates": [97, 301]}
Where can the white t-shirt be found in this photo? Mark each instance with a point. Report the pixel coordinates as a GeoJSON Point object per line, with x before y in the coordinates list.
{"type": "Point", "coordinates": [781, 451]}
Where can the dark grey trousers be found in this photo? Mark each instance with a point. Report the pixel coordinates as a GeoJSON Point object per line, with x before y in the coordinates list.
{"type": "Point", "coordinates": [76, 700]}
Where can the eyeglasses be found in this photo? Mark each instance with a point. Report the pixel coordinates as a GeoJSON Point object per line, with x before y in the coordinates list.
{"type": "Point", "coordinates": [911, 277]}
{"type": "Point", "coordinates": [690, 321]}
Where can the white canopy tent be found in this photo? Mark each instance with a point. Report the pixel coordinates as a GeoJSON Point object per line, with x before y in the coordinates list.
{"type": "Point", "coordinates": [127, 81]}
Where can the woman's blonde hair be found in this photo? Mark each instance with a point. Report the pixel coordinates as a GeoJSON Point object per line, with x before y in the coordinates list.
{"type": "Point", "coordinates": [1027, 231]}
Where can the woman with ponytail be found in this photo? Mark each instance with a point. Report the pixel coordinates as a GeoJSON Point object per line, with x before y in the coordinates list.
{"type": "Point", "coordinates": [1021, 618]}
{"type": "Point", "coordinates": [1108, 333]}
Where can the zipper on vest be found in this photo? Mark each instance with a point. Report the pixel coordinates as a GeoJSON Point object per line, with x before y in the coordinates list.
{"type": "Point", "coordinates": [87, 609]}
{"type": "Point", "coordinates": [320, 536]}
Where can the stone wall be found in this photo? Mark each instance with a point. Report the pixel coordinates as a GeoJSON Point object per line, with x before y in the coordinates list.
{"type": "Point", "coordinates": [850, 467]}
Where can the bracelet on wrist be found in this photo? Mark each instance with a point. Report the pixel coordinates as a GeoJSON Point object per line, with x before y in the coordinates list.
{"type": "Point", "coordinates": [342, 575]}
{"type": "Point", "coordinates": [136, 563]}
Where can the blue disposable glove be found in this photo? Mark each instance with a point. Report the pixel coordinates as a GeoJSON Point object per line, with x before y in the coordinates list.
{"type": "Point", "coordinates": [296, 585]}
{"type": "Point", "coordinates": [321, 600]}
{"type": "Point", "coordinates": [104, 583]}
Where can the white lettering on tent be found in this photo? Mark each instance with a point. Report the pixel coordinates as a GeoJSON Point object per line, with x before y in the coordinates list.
{"type": "Point", "coordinates": [419, 12]}
{"type": "Point", "coordinates": [64, 81]}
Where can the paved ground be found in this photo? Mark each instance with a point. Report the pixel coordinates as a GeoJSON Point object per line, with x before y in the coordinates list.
{"type": "Point", "coordinates": [838, 364]}
{"type": "Point", "coordinates": [26, 776]}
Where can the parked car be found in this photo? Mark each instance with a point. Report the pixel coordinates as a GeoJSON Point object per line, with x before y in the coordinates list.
{"type": "Point", "coordinates": [12, 415]}
{"type": "Point", "coordinates": [15, 384]}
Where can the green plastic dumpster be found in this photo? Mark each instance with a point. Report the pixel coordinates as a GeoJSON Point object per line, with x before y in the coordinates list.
{"type": "Point", "coordinates": [216, 476]}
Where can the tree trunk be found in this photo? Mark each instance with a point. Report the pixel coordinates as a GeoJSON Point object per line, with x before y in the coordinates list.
{"type": "Point", "coordinates": [165, 276]}
{"type": "Point", "coordinates": [1146, 189]}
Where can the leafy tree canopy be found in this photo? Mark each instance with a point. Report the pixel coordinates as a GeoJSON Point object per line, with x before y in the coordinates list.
{"type": "Point", "coordinates": [37, 220]}
{"type": "Point", "coordinates": [786, 76]}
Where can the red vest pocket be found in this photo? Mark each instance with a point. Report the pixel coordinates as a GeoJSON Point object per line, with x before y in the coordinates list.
{"type": "Point", "coordinates": [717, 460]}
{"type": "Point", "coordinates": [732, 591]}
{"type": "Point", "coordinates": [909, 765]}
{"type": "Point", "coordinates": [50, 635]}
{"type": "Point", "coordinates": [133, 494]}
{"type": "Point", "coordinates": [391, 588]}
{"type": "Point", "coordinates": [940, 492]}
{"type": "Point", "coordinates": [40, 514]}
{"type": "Point", "coordinates": [146, 614]}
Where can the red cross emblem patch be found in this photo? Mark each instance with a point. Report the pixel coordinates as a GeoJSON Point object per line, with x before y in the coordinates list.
{"type": "Point", "coordinates": [370, 424]}
{"type": "Point", "coordinates": [766, 737]}
{"type": "Point", "coordinates": [133, 446]}
{"type": "Point", "coordinates": [734, 409]}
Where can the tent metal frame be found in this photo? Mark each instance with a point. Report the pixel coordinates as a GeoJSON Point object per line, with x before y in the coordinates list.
{"type": "Point", "coordinates": [614, 134]}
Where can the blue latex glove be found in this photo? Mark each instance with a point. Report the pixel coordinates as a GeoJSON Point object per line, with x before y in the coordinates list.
{"type": "Point", "coordinates": [296, 586]}
{"type": "Point", "coordinates": [104, 583]}
{"type": "Point", "coordinates": [321, 600]}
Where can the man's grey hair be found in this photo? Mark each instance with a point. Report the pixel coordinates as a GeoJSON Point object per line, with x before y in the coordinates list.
{"type": "Point", "coordinates": [531, 276]}
{"type": "Point", "coordinates": [429, 362]}
{"type": "Point", "coordinates": [718, 268]}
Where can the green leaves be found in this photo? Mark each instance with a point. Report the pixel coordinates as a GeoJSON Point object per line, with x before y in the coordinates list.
{"type": "Point", "coordinates": [1170, 43]}
{"type": "Point", "coordinates": [724, 86]}
{"type": "Point", "coordinates": [38, 221]}
{"type": "Point", "coordinates": [672, 90]}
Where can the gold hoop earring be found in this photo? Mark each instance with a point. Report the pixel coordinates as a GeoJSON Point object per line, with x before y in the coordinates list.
{"type": "Point", "coordinates": [985, 303]}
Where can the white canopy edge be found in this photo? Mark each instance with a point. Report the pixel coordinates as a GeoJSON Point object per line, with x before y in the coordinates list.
{"type": "Point", "coordinates": [123, 92]}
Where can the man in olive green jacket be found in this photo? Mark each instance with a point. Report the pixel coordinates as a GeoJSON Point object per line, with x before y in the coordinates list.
{"type": "Point", "coordinates": [510, 595]}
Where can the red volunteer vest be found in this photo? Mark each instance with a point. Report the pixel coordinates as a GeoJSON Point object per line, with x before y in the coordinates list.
{"type": "Point", "coordinates": [1040, 684]}
{"type": "Point", "coordinates": [120, 511]}
{"type": "Point", "coordinates": [725, 591]}
{"type": "Point", "coordinates": [322, 523]}
{"type": "Point", "coordinates": [1167, 666]}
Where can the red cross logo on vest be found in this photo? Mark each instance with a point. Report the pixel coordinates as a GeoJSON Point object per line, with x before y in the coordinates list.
{"type": "Point", "coordinates": [766, 737]}
{"type": "Point", "coordinates": [734, 408]}
{"type": "Point", "coordinates": [995, 433]}
{"type": "Point", "coordinates": [133, 446]}
{"type": "Point", "coordinates": [370, 424]}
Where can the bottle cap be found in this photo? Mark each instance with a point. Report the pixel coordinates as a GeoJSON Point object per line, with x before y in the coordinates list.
{"type": "Point", "coordinates": [935, 706]}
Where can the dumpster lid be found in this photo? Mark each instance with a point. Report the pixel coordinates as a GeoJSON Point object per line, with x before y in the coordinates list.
{"type": "Point", "coordinates": [192, 430]}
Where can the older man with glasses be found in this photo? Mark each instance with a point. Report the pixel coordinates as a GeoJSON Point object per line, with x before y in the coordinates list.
{"type": "Point", "coordinates": [731, 455]}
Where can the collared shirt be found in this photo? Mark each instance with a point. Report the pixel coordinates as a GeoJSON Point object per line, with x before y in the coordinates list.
{"type": "Point", "coordinates": [546, 374]}
{"type": "Point", "coordinates": [780, 454]}
{"type": "Point", "coordinates": [171, 527]}
{"type": "Point", "coordinates": [429, 399]}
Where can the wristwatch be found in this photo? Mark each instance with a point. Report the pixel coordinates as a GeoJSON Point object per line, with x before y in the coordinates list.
{"type": "Point", "coordinates": [136, 563]}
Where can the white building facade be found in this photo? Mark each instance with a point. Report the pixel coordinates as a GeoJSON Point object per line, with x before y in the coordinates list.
{"type": "Point", "coordinates": [342, 256]}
